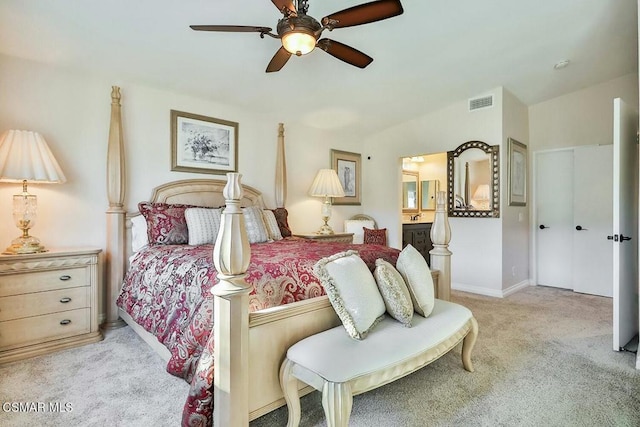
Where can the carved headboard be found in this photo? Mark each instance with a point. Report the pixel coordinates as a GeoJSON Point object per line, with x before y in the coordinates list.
{"type": "Point", "coordinates": [202, 192]}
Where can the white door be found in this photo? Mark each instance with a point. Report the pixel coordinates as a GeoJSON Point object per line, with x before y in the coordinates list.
{"type": "Point", "coordinates": [625, 221]}
{"type": "Point", "coordinates": [554, 213]}
{"type": "Point", "coordinates": [592, 214]}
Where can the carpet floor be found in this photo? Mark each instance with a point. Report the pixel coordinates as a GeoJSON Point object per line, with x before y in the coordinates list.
{"type": "Point", "coordinates": [543, 358]}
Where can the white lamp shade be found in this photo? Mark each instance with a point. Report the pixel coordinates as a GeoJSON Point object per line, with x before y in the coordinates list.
{"type": "Point", "coordinates": [24, 155]}
{"type": "Point", "coordinates": [483, 192]}
{"type": "Point", "coordinates": [326, 184]}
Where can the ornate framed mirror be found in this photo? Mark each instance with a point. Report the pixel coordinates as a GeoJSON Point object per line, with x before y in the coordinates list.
{"type": "Point", "coordinates": [473, 171]}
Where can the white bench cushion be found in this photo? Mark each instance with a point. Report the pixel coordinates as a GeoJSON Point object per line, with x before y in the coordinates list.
{"type": "Point", "coordinates": [334, 356]}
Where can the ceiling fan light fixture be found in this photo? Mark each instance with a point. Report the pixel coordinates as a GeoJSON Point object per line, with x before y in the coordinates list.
{"type": "Point", "coordinates": [298, 42]}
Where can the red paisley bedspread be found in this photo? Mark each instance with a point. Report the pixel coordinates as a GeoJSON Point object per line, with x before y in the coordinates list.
{"type": "Point", "coordinates": [167, 291]}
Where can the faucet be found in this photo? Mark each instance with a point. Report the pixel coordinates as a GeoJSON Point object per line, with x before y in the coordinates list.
{"type": "Point", "coordinates": [415, 217]}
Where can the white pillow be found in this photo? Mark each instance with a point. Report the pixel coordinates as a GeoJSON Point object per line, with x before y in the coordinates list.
{"type": "Point", "coordinates": [394, 292]}
{"type": "Point", "coordinates": [417, 275]}
{"type": "Point", "coordinates": [254, 224]}
{"type": "Point", "coordinates": [356, 226]}
{"type": "Point", "coordinates": [273, 230]}
{"type": "Point", "coordinates": [139, 236]}
{"type": "Point", "coordinates": [352, 291]}
{"type": "Point", "coordinates": [203, 225]}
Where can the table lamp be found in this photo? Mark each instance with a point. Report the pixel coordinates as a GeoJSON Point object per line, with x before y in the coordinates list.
{"type": "Point", "coordinates": [326, 184]}
{"type": "Point", "coordinates": [26, 158]}
{"type": "Point", "coordinates": [482, 196]}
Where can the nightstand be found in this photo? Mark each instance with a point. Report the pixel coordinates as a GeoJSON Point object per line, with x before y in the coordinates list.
{"type": "Point", "coordinates": [48, 301]}
{"type": "Point", "coordinates": [336, 237]}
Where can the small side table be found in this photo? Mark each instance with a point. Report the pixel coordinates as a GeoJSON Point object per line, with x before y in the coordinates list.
{"type": "Point", "coordinates": [336, 237]}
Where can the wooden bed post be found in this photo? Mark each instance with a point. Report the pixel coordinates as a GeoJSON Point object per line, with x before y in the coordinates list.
{"type": "Point", "coordinates": [440, 254]}
{"type": "Point", "coordinates": [231, 255]}
{"type": "Point", "coordinates": [281, 170]}
{"type": "Point", "coordinates": [116, 182]}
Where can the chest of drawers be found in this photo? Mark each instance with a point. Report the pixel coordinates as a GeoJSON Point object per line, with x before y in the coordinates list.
{"type": "Point", "coordinates": [48, 301]}
{"type": "Point", "coordinates": [418, 235]}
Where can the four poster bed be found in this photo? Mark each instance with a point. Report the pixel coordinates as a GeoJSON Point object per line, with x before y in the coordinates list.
{"type": "Point", "coordinates": [253, 300]}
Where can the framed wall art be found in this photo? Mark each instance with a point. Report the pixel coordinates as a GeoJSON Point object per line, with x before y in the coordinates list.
{"type": "Point", "coordinates": [203, 144]}
{"type": "Point", "coordinates": [348, 167]}
{"type": "Point", "coordinates": [517, 173]}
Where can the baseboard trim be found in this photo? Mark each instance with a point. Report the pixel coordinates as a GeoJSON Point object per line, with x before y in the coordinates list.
{"type": "Point", "coordinates": [496, 293]}
{"type": "Point", "coordinates": [515, 288]}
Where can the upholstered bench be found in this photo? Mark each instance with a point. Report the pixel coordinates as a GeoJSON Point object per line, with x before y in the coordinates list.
{"type": "Point", "coordinates": [341, 367]}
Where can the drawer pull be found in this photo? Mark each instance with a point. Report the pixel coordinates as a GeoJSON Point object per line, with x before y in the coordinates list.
{"type": "Point", "coordinates": [65, 322]}
{"type": "Point", "coordinates": [65, 300]}
{"type": "Point", "coordinates": [65, 277]}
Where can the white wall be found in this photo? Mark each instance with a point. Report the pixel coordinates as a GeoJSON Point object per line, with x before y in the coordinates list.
{"type": "Point", "coordinates": [515, 219]}
{"type": "Point", "coordinates": [584, 117]}
{"type": "Point", "coordinates": [72, 111]}
{"type": "Point", "coordinates": [476, 243]}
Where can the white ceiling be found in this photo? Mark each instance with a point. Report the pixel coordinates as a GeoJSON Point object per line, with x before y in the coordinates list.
{"type": "Point", "coordinates": [435, 54]}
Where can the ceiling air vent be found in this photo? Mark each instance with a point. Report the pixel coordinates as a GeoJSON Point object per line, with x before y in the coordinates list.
{"type": "Point", "coordinates": [481, 102]}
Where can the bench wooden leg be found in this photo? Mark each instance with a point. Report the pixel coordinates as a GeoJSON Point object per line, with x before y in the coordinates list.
{"type": "Point", "coordinates": [467, 345]}
{"type": "Point", "coordinates": [337, 401]}
{"type": "Point", "coordinates": [289, 385]}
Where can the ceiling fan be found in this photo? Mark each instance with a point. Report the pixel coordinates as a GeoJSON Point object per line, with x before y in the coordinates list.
{"type": "Point", "coordinates": [300, 33]}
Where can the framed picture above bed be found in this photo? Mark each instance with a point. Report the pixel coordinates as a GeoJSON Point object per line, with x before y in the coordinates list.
{"type": "Point", "coordinates": [203, 144]}
{"type": "Point", "coordinates": [348, 167]}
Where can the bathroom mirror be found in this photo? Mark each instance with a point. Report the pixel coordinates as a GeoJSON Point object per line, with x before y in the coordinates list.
{"type": "Point", "coordinates": [473, 171]}
{"type": "Point", "coordinates": [410, 194]}
{"type": "Point", "coordinates": [428, 190]}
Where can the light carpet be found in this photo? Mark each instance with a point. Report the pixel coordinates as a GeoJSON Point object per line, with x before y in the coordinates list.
{"type": "Point", "coordinates": [543, 358]}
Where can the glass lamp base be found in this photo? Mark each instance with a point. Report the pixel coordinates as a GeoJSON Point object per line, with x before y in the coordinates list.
{"type": "Point", "coordinates": [25, 245]}
{"type": "Point", "coordinates": [325, 229]}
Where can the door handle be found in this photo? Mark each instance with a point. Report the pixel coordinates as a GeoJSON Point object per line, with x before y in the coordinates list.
{"type": "Point", "coordinates": [579, 228]}
{"type": "Point", "coordinates": [616, 239]}
{"type": "Point", "coordinates": [542, 227]}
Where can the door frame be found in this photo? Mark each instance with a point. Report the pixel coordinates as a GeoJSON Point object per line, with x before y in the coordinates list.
{"type": "Point", "coordinates": [534, 211]}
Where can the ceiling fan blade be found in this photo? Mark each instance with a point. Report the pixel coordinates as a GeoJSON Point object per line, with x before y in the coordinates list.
{"type": "Point", "coordinates": [283, 5]}
{"type": "Point", "coordinates": [345, 53]}
{"type": "Point", "coordinates": [231, 28]}
{"type": "Point", "coordinates": [363, 14]}
{"type": "Point", "coordinates": [279, 59]}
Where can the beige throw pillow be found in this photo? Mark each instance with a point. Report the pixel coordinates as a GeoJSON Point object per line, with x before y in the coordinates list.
{"type": "Point", "coordinates": [254, 224]}
{"type": "Point", "coordinates": [417, 275]}
{"type": "Point", "coordinates": [273, 230]}
{"type": "Point", "coordinates": [203, 225]}
{"type": "Point", "coordinates": [394, 292]}
{"type": "Point", "coordinates": [352, 291]}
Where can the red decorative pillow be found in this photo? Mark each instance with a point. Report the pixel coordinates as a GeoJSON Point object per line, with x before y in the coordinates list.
{"type": "Point", "coordinates": [375, 237]}
{"type": "Point", "coordinates": [281, 217]}
{"type": "Point", "coordinates": [166, 223]}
